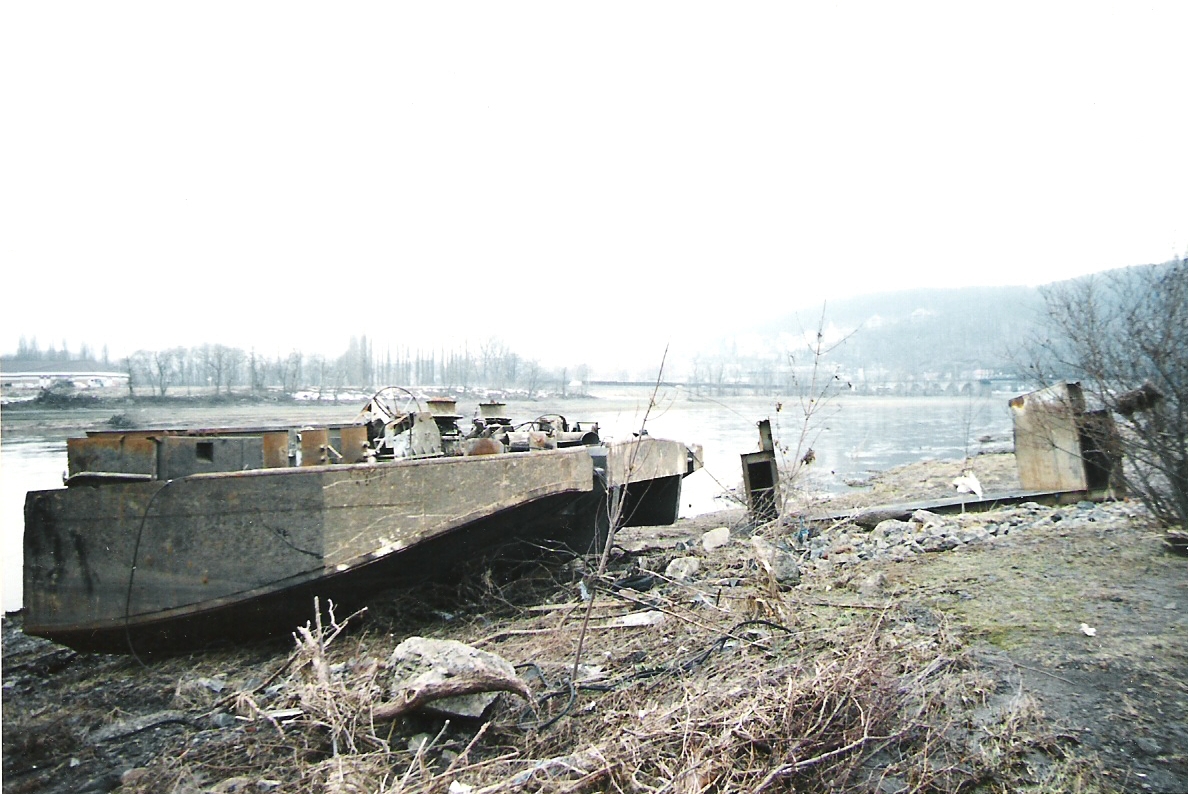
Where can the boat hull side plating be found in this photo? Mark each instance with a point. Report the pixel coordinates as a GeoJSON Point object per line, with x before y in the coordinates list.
{"type": "Point", "coordinates": [179, 563]}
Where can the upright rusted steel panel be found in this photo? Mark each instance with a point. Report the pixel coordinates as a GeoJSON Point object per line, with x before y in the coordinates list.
{"type": "Point", "coordinates": [276, 449]}
{"type": "Point", "coordinates": [354, 444]}
{"type": "Point", "coordinates": [315, 446]}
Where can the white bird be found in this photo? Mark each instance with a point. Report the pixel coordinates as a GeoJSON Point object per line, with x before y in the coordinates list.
{"type": "Point", "coordinates": [1088, 630]}
{"type": "Point", "coordinates": [968, 483]}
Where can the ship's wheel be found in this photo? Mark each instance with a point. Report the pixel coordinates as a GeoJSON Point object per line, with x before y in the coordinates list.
{"type": "Point", "coordinates": [389, 404]}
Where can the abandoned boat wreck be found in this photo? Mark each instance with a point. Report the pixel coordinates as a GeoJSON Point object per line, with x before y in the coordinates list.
{"type": "Point", "coordinates": [172, 539]}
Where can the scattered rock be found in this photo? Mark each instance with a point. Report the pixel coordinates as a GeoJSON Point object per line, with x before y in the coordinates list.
{"type": "Point", "coordinates": [641, 582]}
{"type": "Point", "coordinates": [782, 565]}
{"type": "Point", "coordinates": [420, 661]}
{"type": "Point", "coordinates": [132, 776]}
{"type": "Point", "coordinates": [892, 529]}
{"type": "Point", "coordinates": [894, 539]}
{"type": "Point", "coordinates": [221, 719]}
{"type": "Point", "coordinates": [971, 535]}
{"type": "Point", "coordinates": [715, 538]}
{"type": "Point", "coordinates": [927, 518]}
{"type": "Point", "coordinates": [682, 569]}
{"type": "Point", "coordinates": [1148, 746]}
{"type": "Point", "coordinates": [935, 543]}
{"type": "Point", "coordinates": [649, 618]}
{"type": "Point", "coordinates": [873, 585]}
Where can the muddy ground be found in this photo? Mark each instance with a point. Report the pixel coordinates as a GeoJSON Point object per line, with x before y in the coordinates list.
{"type": "Point", "coordinates": [968, 668]}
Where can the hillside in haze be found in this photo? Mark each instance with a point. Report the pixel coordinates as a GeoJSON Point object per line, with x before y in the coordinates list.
{"type": "Point", "coordinates": [935, 330]}
{"type": "Point", "coordinates": [914, 335]}
{"type": "Point", "coordinates": [919, 336]}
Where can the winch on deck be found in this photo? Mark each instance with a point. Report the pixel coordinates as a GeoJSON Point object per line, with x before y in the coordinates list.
{"type": "Point", "coordinates": [407, 431]}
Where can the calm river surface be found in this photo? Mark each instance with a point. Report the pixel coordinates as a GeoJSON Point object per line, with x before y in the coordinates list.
{"type": "Point", "coordinates": [851, 436]}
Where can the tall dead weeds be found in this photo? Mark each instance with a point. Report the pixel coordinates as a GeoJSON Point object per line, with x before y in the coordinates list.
{"type": "Point", "coordinates": [832, 699]}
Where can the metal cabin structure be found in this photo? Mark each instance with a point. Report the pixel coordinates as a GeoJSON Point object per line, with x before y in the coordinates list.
{"type": "Point", "coordinates": [1061, 445]}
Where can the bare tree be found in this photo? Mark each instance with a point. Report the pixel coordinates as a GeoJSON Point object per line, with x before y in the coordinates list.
{"type": "Point", "coordinates": [214, 361]}
{"type": "Point", "coordinates": [222, 365]}
{"type": "Point", "coordinates": [814, 386]}
{"type": "Point", "coordinates": [491, 354]}
{"type": "Point", "coordinates": [130, 368]}
{"type": "Point", "coordinates": [532, 377]}
{"type": "Point", "coordinates": [316, 373]}
{"type": "Point", "coordinates": [255, 372]}
{"type": "Point", "coordinates": [291, 372]}
{"type": "Point", "coordinates": [510, 369]}
{"type": "Point", "coordinates": [1124, 335]}
{"type": "Point", "coordinates": [159, 368]}
{"type": "Point", "coordinates": [234, 358]}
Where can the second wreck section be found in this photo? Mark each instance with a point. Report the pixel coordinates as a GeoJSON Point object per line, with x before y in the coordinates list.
{"type": "Point", "coordinates": [1062, 445]}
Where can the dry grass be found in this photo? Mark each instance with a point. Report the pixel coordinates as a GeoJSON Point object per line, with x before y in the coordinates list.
{"type": "Point", "coordinates": [762, 691]}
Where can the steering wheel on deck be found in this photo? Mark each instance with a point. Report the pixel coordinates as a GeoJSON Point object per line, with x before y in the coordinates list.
{"type": "Point", "coordinates": [395, 401]}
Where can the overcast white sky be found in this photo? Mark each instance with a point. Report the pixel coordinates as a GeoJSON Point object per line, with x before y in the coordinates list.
{"type": "Point", "coordinates": [284, 175]}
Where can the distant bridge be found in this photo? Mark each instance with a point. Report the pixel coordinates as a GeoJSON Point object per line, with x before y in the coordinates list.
{"type": "Point", "coordinates": [902, 388]}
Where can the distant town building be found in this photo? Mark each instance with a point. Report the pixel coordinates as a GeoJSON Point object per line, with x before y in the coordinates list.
{"type": "Point", "coordinates": [46, 374]}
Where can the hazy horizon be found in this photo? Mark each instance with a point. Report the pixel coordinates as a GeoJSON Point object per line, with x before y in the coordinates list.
{"type": "Point", "coordinates": [581, 184]}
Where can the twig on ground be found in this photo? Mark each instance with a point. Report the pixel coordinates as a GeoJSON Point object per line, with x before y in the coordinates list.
{"type": "Point", "coordinates": [415, 699]}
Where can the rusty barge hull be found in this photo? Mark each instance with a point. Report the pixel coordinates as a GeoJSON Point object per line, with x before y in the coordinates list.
{"type": "Point", "coordinates": [174, 564]}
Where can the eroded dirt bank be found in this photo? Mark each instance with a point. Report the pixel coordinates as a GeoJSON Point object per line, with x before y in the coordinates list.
{"type": "Point", "coordinates": [1028, 648]}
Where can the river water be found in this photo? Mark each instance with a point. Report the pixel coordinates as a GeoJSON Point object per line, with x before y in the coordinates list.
{"type": "Point", "coordinates": [850, 436]}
